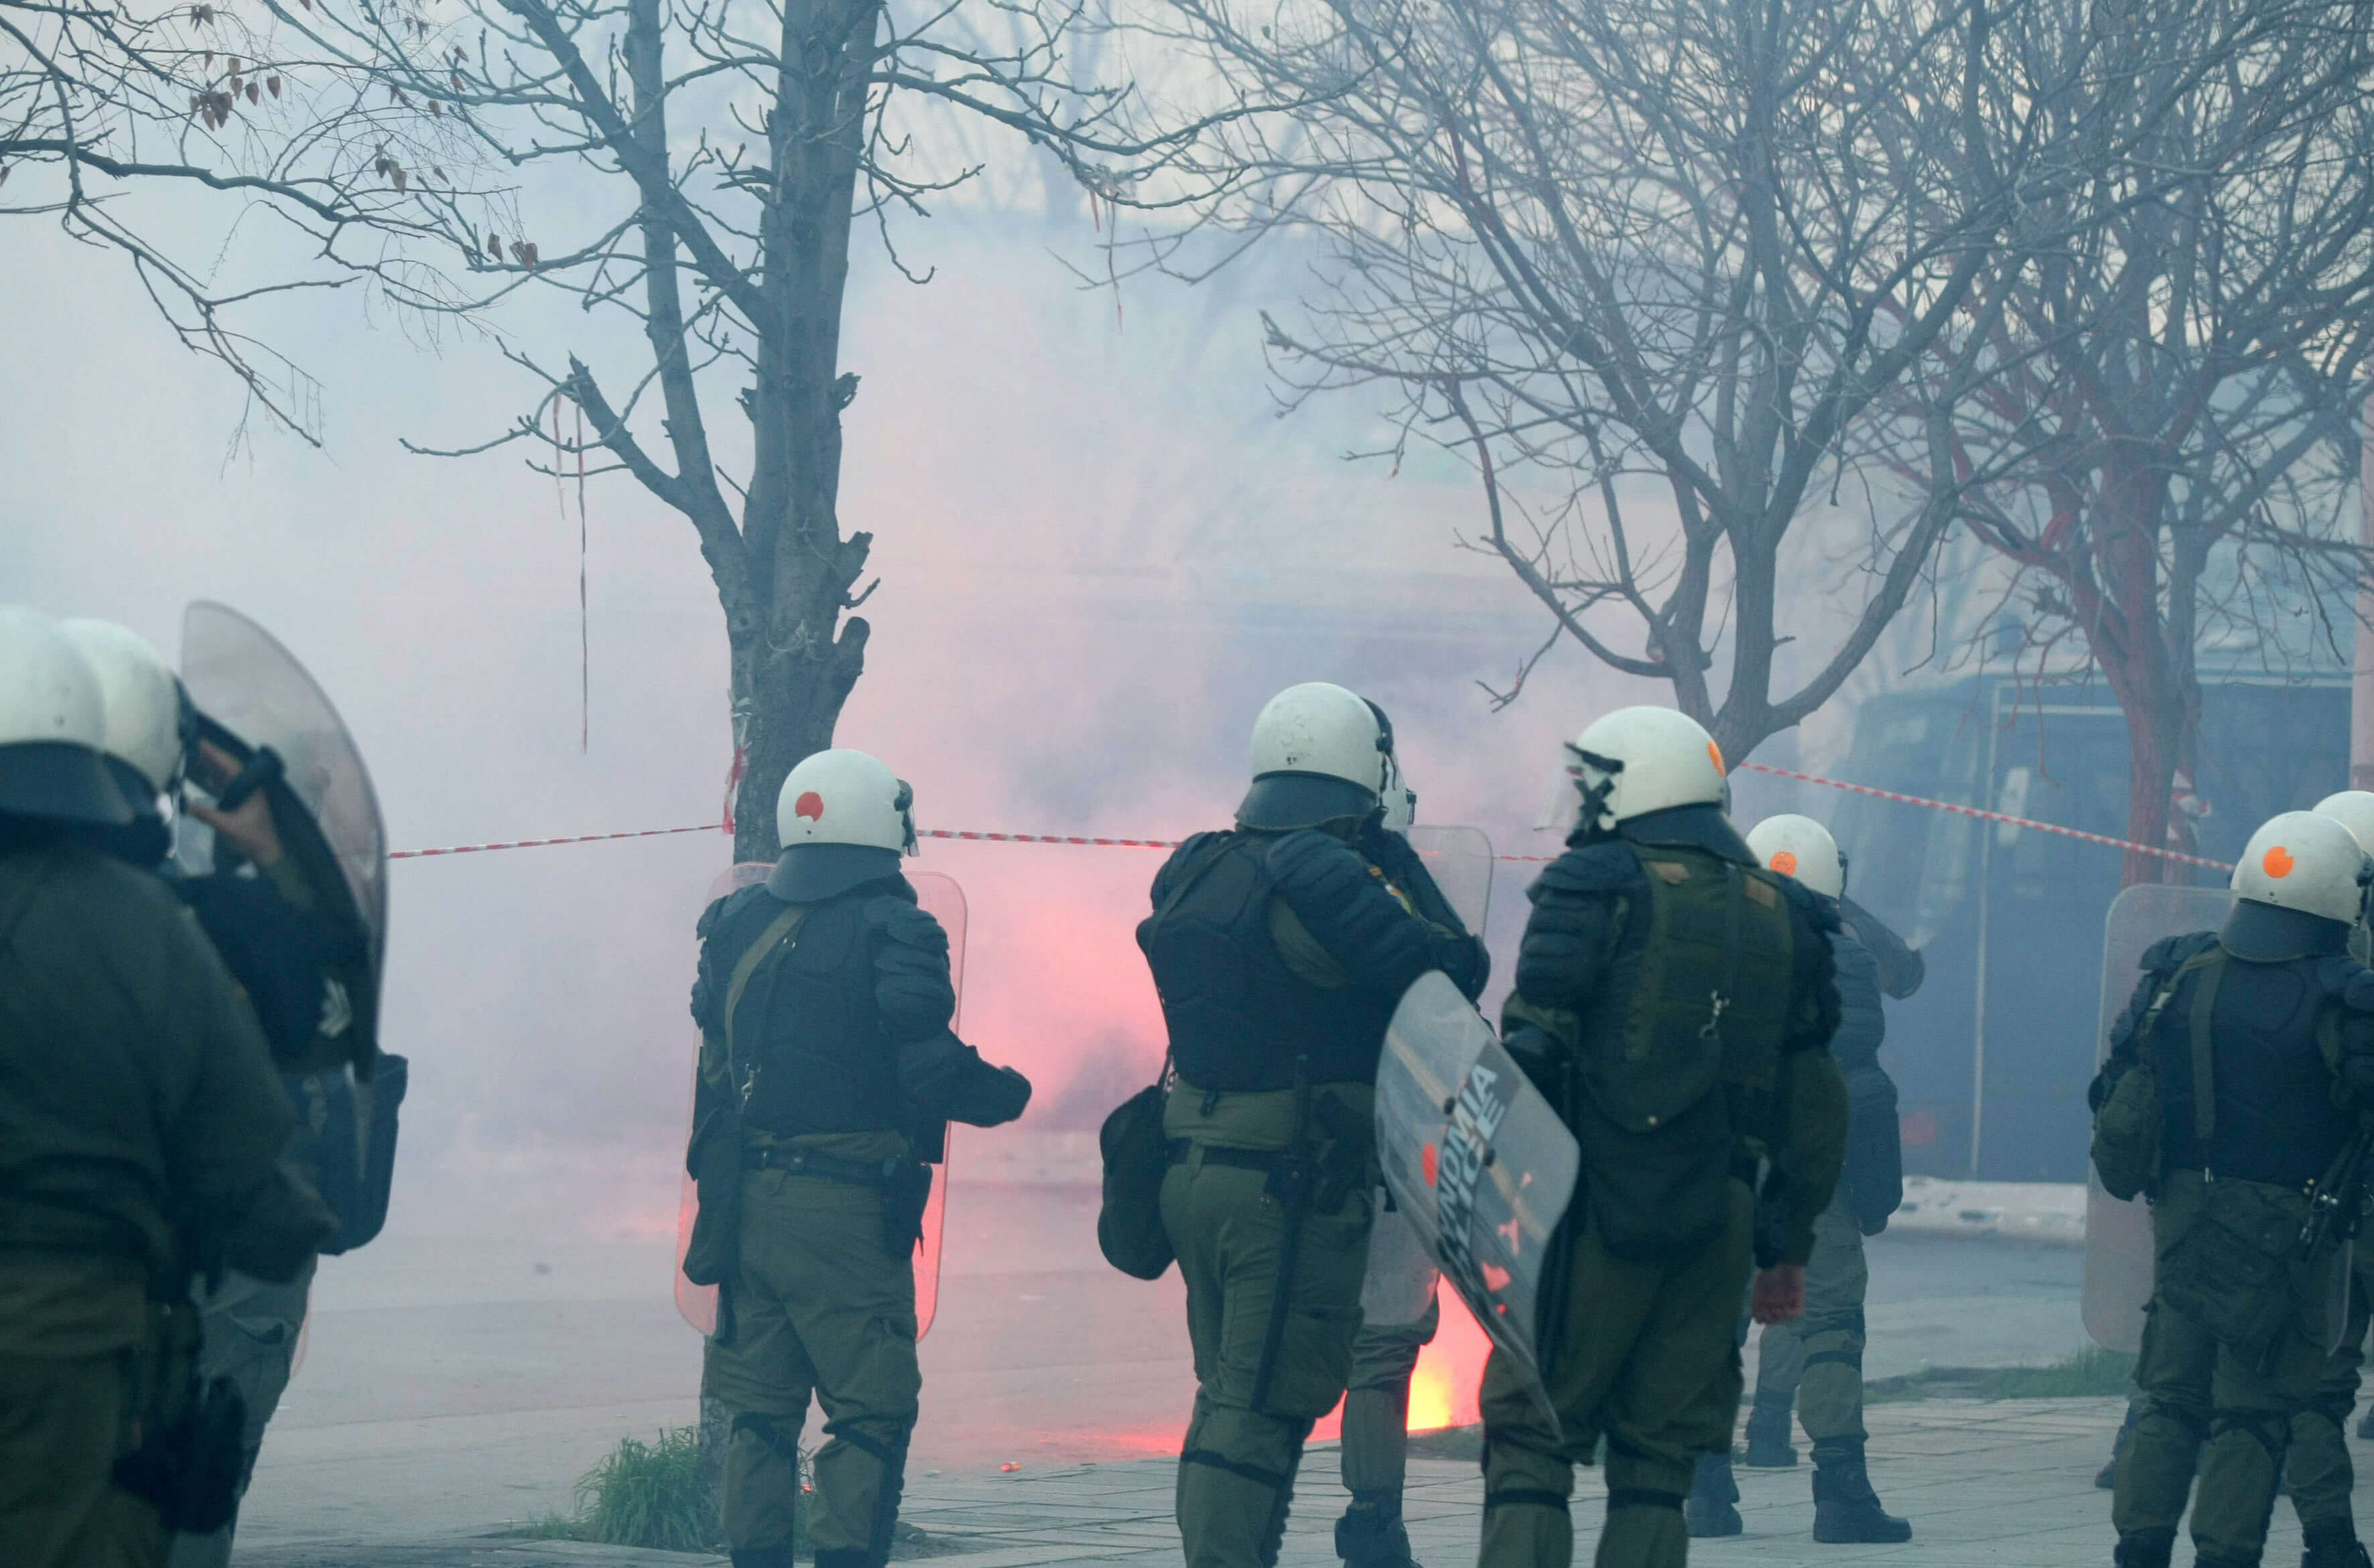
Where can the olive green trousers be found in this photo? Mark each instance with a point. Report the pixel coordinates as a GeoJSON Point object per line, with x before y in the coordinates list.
{"type": "Point", "coordinates": [821, 1309]}
{"type": "Point", "coordinates": [1376, 1403]}
{"type": "Point", "coordinates": [1648, 1357]}
{"type": "Point", "coordinates": [64, 1423]}
{"type": "Point", "coordinates": [1236, 1466]}
{"type": "Point", "coordinates": [2204, 1403]}
{"type": "Point", "coordinates": [1817, 1360]}
{"type": "Point", "coordinates": [2318, 1471]}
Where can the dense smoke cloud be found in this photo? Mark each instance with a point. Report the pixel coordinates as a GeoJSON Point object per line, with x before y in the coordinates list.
{"type": "Point", "coordinates": [1100, 551]}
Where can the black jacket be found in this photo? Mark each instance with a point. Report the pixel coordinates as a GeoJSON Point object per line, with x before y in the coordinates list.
{"type": "Point", "coordinates": [1270, 947]}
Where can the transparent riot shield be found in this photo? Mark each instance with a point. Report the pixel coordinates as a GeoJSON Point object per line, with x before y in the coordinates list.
{"type": "Point", "coordinates": [2118, 1235]}
{"type": "Point", "coordinates": [253, 697]}
{"type": "Point", "coordinates": [1476, 1161]}
{"type": "Point", "coordinates": [1460, 861]}
{"type": "Point", "coordinates": [944, 901]}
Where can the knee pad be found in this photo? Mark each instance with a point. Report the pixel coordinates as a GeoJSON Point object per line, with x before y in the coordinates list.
{"type": "Point", "coordinates": [2271, 1429]}
{"type": "Point", "coordinates": [2190, 1419]}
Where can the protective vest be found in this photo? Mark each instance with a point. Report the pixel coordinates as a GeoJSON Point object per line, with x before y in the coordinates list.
{"type": "Point", "coordinates": [1874, 1178]}
{"type": "Point", "coordinates": [1708, 1005]}
{"type": "Point", "coordinates": [809, 1052]}
{"type": "Point", "coordinates": [1863, 1028]}
{"type": "Point", "coordinates": [2264, 1037]}
{"type": "Point", "coordinates": [1239, 1015]}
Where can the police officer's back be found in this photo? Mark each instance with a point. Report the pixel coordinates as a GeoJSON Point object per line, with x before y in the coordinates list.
{"type": "Point", "coordinates": [2238, 1076]}
{"type": "Point", "coordinates": [304, 970]}
{"type": "Point", "coordinates": [140, 1127]}
{"type": "Point", "coordinates": [1279, 950]}
{"type": "Point", "coordinates": [1674, 998]}
{"type": "Point", "coordinates": [829, 1073]}
{"type": "Point", "coordinates": [1821, 1352]}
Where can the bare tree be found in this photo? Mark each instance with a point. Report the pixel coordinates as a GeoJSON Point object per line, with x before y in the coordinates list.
{"type": "Point", "coordinates": [698, 168]}
{"type": "Point", "coordinates": [1648, 263]}
{"type": "Point", "coordinates": [2170, 409]}
{"type": "Point", "coordinates": [107, 113]}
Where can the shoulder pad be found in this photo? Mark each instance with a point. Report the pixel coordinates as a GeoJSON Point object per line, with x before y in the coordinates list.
{"type": "Point", "coordinates": [2163, 956]}
{"type": "Point", "coordinates": [1307, 857]}
{"type": "Point", "coordinates": [908, 924]}
{"type": "Point", "coordinates": [1816, 910]}
{"type": "Point", "coordinates": [2345, 977]}
{"type": "Point", "coordinates": [725, 909]}
{"type": "Point", "coordinates": [1602, 867]}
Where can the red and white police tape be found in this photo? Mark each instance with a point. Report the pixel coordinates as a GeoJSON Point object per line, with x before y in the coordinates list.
{"type": "Point", "coordinates": [1897, 796]}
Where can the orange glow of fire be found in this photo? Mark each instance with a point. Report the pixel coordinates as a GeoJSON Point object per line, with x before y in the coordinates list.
{"type": "Point", "coordinates": [1450, 1371]}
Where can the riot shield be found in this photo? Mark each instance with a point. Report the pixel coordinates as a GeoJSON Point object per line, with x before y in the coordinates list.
{"type": "Point", "coordinates": [1476, 1161]}
{"type": "Point", "coordinates": [253, 698]}
{"type": "Point", "coordinates": [697, 1304]}
{"type": "Point", "coordinates": [1460, 861]}
{"type": "Point", "coordinates": [2118, 1235]}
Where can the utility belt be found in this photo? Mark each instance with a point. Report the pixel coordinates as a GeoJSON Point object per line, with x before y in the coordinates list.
{"type": "Point", "coordinates": [904, 1182]}
{"type": "Point", "coordinates": [884, 1172]}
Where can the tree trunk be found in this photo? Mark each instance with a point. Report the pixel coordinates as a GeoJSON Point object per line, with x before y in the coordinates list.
{"type": "Point", "coordinates": [795, 662]}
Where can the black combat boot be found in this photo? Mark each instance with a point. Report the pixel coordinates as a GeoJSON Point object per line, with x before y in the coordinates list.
{"type": "Point", "coordinates": [2145, 1549]}
{"type": "Point", "coordinates": [2365, 1424]}
{"type": "Point", "coordinates": [763, 1556]}
{"type": "Point", "coordinates": [1713, 1508]}
{"type": "Point", "coordinates": [1371, 1534]}
{"type": "Point", "coordinates": [1846, 1510]}
{"type": "Point", "coordinates": [2331, 1543]}
{"type": "Point", "coordinates": [1767, 1435]}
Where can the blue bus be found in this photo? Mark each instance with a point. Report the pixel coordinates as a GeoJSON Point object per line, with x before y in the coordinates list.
{"type": "Point", "coordinates": [1993, 1055]}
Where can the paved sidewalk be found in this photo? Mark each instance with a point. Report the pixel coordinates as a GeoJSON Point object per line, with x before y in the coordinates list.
{"type": "Point", "coordinates": [1987, 1485]}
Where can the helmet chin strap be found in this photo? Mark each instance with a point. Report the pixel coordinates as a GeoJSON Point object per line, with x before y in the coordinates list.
{"type": "Point", "coordinates": [903, 803]}
{"type": "Point", "coordinates": [1595, 797]}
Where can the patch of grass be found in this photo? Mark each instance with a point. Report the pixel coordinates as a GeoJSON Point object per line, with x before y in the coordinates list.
{"type": "Point", "coordinates": [651, 1495]}
{"type": "Point", "coordinates": [552, 1527]}
{"type": "Point", "coordinates": [655, 1495]}
{"type": "Point", "coordinates": [2091, 1372]}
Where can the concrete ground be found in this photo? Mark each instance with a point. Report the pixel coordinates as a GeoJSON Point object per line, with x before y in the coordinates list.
{"type": "Point", "coordinates": [452, 1390]}
{"type": "Point", "coordinates": [2003, 1485]}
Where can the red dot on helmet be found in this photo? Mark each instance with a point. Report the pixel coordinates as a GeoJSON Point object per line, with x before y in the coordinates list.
{"type": "Point", "coordinates": [810, 804]}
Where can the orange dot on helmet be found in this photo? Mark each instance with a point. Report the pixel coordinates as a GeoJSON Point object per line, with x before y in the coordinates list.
{"type": "Point", "coordinates": [2278, 862]}
{"type": "Point", "coordinates": [1714, 755]}
{"type": "Point", "coordinates": [809, 805]}
{"type": "Point", "coordinates": [1785, 862]}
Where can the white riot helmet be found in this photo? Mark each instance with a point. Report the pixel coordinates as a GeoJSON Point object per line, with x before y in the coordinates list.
{"type": "Point", "coordinates": [52, 727]}
{"type": "Point", "coordinates": [2304, 861]}
{"type": "Point", "coordinates": [843, 818]}
{"type": "Point", "coordinates": [1634, 761]}
{"type": "Point", "coordinates": [1320, 753]}
{"type": "Point", "coordinates": [2354, 809]}
{"type": "Point", "coordinates": [1801, 847]}
{"type": "Point", "coordinates": [148, 722]}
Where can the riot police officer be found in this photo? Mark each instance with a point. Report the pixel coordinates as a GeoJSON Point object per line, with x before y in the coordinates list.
{"type": "Point", "coordinates": [1675, 999]}
{"type": "Point", "coordinates": [1819, 1356]}
{"type": "Point", "coordinates": [2231, 1094]}
{"type": "Point", "coordinates": [271, 934]}
{"type": "Point", "coordinates": [2318, 1471]}
{"type": "Point", "coordinates": [1399, 1316]}
{"type": "Point", "coordinates": [1279, 950]}
{"type": "Point", "coordinates": [140, 1129]}
{"type": "Point", "coordinates": [829, 1073]}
